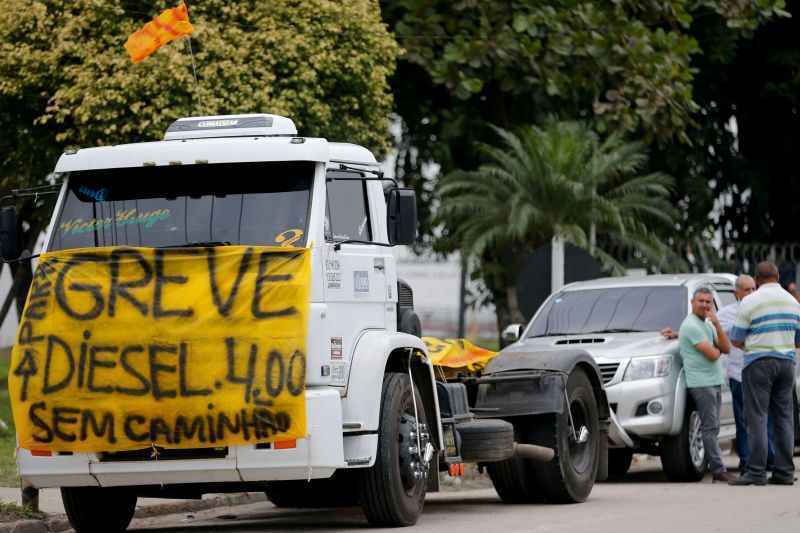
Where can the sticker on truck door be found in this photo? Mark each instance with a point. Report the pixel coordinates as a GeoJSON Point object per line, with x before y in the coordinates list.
{"type": "Point", "coordinates": [360, 282]}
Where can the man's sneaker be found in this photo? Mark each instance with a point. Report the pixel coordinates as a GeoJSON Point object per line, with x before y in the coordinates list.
{"type": "Point", "coordinates": [779, 480]}
{"type": "Point", "coordinates": [743, 481]}
{"type": "Point", "coordinates": [725, 477]}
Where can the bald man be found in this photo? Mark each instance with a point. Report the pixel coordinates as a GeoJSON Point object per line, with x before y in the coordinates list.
{"type": "Point", "coordinates": [767, 328]}
{"type": "Point", "coordinates": [727, 316]}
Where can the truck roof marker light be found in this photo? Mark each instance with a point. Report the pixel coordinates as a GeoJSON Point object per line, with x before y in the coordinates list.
{"type": "Point", "coordinates": [297, 140]}
{"type": "Point", "coordinates": [70, 151]}
{"type": "Point", "coordinates": [175, 163]}
{"type": "Point", "coordinates": [149, 164]}
{"type": "Point", "coordinates": [284, 444]}
{"type": "Point", "coordinates": [201, 161]}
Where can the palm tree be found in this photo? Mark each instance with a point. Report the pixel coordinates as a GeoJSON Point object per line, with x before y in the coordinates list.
{"type": "Point", "coordinates": [557, 180]}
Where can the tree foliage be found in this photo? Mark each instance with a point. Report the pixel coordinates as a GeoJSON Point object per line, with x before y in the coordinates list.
{"type": "Point", "coordinates": [557, 180]}
{"type": "Point", "coordinates": [65, 78]}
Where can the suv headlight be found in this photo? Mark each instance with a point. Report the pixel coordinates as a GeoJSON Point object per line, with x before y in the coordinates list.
{"type": "Point", "coordinates": [648, 367]}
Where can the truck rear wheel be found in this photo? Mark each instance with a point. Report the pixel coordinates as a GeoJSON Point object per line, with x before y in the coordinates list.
{"type": "Point", "coordinates": [98, 510]}
{"type": "Point", "coordinates": [570, 475]}
{"type": "Point", "coordinates": [683, 456]}
{"type": "Point", "coordinates": [392, 491]}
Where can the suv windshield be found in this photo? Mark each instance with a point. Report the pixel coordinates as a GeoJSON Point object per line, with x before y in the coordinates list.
{"type": "Point", "coordinates": [618, 309]}
{"type": "Point", "coordinates": [239, 203]}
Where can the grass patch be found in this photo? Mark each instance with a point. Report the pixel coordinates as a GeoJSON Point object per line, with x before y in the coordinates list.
{"type": "Point", "coordinates": [11, 511]}
{"type": "Point", "coordinates": [8, 443]}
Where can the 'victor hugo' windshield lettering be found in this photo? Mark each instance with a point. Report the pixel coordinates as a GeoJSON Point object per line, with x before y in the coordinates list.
{"type": "Point", "coordinates": [122, 217]}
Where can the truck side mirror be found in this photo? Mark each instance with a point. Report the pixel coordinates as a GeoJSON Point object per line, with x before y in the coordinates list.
{"type": "Point", "coordinates": [9, 239]}
{"type": "Point", "coordinates": [401, 219]}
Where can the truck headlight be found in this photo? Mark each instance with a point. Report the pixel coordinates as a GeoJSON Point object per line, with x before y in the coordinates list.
{"type": "Point", "coordinates": [648, 367]}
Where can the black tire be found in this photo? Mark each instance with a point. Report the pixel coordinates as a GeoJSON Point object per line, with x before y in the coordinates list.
{"type": "Point", "coordinates": [486, 441]}
{"type": "Point", "coordinates": [676, 452]}
{"type": "Point", "coordinates": [390, 496]}
{"type": "Point", "coordinates": [619, 462]}
{"type": "Point", "coordinates": [337, 491]}
{"type": "Point", "coordinates": [570, 475]}
{"type": "Point", "coordinates": [98, 510]}
{"type": "Point", "coordinates": [514, 479]}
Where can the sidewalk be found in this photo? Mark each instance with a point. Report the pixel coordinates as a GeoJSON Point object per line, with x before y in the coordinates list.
{"type": "Point", "coordinates": [50, 501]}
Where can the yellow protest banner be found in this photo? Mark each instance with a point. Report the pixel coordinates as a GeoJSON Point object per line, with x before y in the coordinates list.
{"type": "Point", "coordinates": [457, 353]}
{"type": "Point", "coordinates": [125, 348]}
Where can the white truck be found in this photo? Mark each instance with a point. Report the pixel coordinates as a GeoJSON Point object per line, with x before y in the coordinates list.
{"type": "Point", "coordinates": [380, 426]}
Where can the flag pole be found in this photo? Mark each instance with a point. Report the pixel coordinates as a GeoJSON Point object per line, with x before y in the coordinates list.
{"type": "Point", "coordinates": [191, 53]}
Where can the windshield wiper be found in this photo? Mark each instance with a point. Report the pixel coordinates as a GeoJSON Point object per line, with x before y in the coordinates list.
{"type": "Point", "coordinates": [338, 244]}
{"type": "Point", "coordinates": [198, 244]}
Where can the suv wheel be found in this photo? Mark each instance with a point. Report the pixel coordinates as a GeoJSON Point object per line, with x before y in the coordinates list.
{"type": "Point", "coordinates": [683, 455]}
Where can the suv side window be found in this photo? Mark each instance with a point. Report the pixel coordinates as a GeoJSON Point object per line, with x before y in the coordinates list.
{"type": "Point", "coordinates": [347, 211]}
{"type": "Point", "coordinates": [726, 297]}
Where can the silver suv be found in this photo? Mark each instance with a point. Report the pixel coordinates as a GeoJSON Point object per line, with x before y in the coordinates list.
{"type": "Point", "coordinates": [617, 321]}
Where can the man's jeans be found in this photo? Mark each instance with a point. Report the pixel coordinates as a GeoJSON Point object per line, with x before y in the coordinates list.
{"type": "Point", "coordinates": [742, 446]}
{"type": "Point", "coordinates": [768, 384]}
{"type": "Point", "coordinates": [708, 401]}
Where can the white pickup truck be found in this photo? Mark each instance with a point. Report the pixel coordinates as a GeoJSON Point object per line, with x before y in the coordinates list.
{"type": "Point", "coordinates": [379, 425]}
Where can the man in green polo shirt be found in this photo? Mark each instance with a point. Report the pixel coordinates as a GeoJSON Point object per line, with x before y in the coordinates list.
{"type": "Point", "coordinates": [702, 341]}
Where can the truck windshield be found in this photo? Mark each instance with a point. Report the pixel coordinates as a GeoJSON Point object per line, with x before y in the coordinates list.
{"type": "Point", "coordinates": [180, 205]}
{"type": "Point", "coordinates": [621, 309]}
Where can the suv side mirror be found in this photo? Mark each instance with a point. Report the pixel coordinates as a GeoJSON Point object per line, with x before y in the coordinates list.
{"type": "Point", "coordinates": [512, 333]}
{"type": "Point", "coordinates": [9, 239]}
{"type": "Point", "coordinates": [401, 215]}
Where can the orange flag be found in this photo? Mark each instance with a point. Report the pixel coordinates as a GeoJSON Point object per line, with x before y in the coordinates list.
{"type": "Point", "coordinates": [166, 27]}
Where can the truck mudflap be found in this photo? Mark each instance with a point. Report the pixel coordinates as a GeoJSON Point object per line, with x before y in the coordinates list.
{"type": "Point", "coordinates": [318, 455]}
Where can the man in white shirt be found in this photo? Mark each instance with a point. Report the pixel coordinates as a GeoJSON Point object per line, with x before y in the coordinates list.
{"type": "Point", "coordinates": [727, 316]}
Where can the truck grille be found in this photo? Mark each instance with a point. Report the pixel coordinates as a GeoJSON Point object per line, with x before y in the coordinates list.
{"type": "Point", "coordinates": [163, 454]}
{"type": "Point", "coordinates": [608, 370]}
{"type": "Point", "coordinates": [405, 296]}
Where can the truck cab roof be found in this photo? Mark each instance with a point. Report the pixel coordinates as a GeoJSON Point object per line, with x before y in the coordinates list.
{"type": "Point", "coordinates": [219, 139]}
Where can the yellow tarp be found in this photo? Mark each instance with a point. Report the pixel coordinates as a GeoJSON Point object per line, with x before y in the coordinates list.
{"type": "Point", "coordinates": [457, 353]}
{"type": "Point", "coordinates": [123, 348]}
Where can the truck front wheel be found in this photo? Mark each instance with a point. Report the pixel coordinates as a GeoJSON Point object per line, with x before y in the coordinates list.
{"type": "Point", "coordinates": [97, 509]}
{"type": "Point", "coordinates": [393, 490]}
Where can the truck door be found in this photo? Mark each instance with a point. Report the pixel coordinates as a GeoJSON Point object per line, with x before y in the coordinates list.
{"type": "Point", "coordinates": [355, 272]}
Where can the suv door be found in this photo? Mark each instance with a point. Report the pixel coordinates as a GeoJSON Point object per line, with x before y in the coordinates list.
{"type": "Point", "coordinates": [722, 297]}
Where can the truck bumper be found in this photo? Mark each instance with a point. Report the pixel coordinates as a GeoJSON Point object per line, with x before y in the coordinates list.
{"type": "Point", "coordinates": [316, 456]}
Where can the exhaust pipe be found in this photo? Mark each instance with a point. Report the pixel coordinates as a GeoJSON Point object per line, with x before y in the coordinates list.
{"type": "Point", "coordinates": [534, 452]}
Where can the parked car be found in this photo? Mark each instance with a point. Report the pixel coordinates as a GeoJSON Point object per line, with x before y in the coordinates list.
{"type": "Point", "coordinates": [618, 322]}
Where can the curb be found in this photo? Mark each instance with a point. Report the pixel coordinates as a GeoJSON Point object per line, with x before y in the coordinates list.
{"type": "Point", "coordinates": [58, 523]}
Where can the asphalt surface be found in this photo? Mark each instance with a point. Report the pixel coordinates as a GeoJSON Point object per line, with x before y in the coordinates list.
{"type": "Point", "coordinates": [644, 502]}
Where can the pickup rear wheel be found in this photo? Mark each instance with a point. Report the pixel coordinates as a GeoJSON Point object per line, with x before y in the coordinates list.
{"type": "Point", "coordinates": [98, 510]}
{"type": "Point", "coordinates": [683, 455]}
{"type": "Point", "coordinates": [392, 491]}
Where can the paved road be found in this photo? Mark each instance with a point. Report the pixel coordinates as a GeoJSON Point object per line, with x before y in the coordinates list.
{"type": "Point", "coordinates": [643, 503]}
